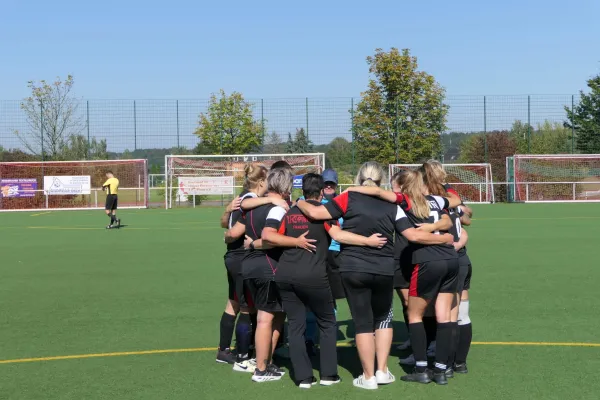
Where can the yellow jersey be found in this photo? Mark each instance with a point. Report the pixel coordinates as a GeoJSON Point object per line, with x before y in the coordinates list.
{"type": "Point", "coordinates": [111, 185]}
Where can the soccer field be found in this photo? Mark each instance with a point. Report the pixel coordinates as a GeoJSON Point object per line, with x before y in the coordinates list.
{"type": "Point", "coordinates": [90, 313]}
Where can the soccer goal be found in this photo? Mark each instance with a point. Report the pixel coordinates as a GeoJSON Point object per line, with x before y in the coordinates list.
{"type": "Point", "coordinates": [220, 177]}
{"type": "Point", "coordinates": [553, 178]}
{"type": "Point", "coordinates": [70, 185]}
{"type": "Point", "coordinates": [473, 182]}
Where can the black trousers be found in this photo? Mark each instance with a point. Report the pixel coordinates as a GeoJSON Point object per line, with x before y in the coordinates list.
{"type": "Point", "coordinates": [296, 299]}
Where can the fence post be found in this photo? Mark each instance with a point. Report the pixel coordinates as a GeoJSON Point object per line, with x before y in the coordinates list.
{"type": "Point", "coordinates": [352, 127]}
{"type": "Point", "coordinates": [485, 143]}
{"type": "Point", "coordinates": [396, 133]}
{"type": "Point", "coordinates": [177, 111]}
{"type": "Point", "coordinates": [528, 124]}
{"type": "Point", "coordinates": [42, 128]}
{"type": "Point", "coordinates": [262, 121]}
{"type": "Point", "coordinates": [572, 124]}
{"type": "Point", "coordinates": [134, 127]}
{"type": "Point", "coordinates": [87, 108]}
{"type": "Point", "coordinates": [307, 137]}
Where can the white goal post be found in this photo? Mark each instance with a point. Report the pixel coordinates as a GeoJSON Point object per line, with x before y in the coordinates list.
{"type": "Point", "coordinates": [473, 182]}
{"type": "Point", "coordinates": [223, 175]}
{"type": "Point", "coordinates": [545, 178]}
{"type": "Point", "coordinates": [71, 185]}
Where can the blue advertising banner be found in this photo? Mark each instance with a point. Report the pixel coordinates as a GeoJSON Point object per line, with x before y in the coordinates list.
{"type": "Point", "coordinates": [297, 182]}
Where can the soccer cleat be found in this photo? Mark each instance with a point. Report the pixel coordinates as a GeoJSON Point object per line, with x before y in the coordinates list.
{"type": "Point", "coordinates": [404, 346]}
{"type": "Point", "coordinates": [225, 356]}
{"type": "Point", "coordinates": [369, 384]}
{"type": "Point", "coordinates": [265, 376]}
{"type": "Point", "coordinates": [109, 227]}
{"type": "Point", "coordinates": [384, 378]}
{"type": "Point", "coordinates": [330, 380]}
{"type": "Point", "coordinates": [418, 377]}
{"type": "Point", "coordinates": [307, 383]}
{"type": "Point", "coordinates": [245, 365]}
{"type": "Point", "coordinates": [449, 372]}
{"type": "Point", "coordinates": [461, 368]}
{"type": "Point", "coordinates": [118, 223]}
{"type": "Point", "coordinates": [410, 360]}
{"type": "Point", "coordinates": [439, 377]}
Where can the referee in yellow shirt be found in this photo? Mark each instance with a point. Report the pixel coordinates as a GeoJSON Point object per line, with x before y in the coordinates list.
{"type": "Point", "coordinates": [112, 188]}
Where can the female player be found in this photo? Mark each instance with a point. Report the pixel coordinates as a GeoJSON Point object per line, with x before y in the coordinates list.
{"type": "Point", "coordinates": [434, 276]}
{"type": "Point", "coordinates": [435, 179]}
{"type": "Point", "coordinates": [368, 273]}
{"type": "Point", "coordinates": [255, 185]}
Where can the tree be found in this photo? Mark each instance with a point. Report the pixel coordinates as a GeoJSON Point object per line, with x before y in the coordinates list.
{"type": "Point", "coordinates": [51, 113]}
{"type": "Point", "coordinates": [546, 138]}
{"type": "Point", "coordinates": [585, 118]}
{"type": "Point", "coordinates": [273, 144]}
{"type": "Point", "coordinates": [126, 155]}
{"type": "Point", "coordinates": [228, 127]}
{"type": "Point", "coordinates": [338, 155]}
{"type": "Point", "coordinates": [401, 115]}
{"type": "Point", "coordinates": [289, 144]}
{"type": "Point", "coordinates": [302, 143]}
{"type": "Point", "coordinates": [77, 147]}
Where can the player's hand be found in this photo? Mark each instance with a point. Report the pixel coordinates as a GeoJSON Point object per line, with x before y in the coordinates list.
{"type": "Point", "coordinates": [448, 238]}
{"type": "Point", "coordinates": [234, 205]}
{"type": "Point", "coordinates": [307, 244]}
{"type": "Point", "coordinates": [456, 246]}
{"type": "Point", "coordinates": [247, 242]}
{"type": "Point", "coordinates": [426, 227]}
{"type": "Point", "coordinates": [376, 240]}
{"type": "Point", "coordinates": [280, 203]}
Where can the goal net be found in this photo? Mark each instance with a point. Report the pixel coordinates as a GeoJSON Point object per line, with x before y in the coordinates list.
{"type": "Point", "coordinates": [548, 178]}
{"type": "Point", "coordinates": [473, 182]}
{"type": "Point", "coordinates": [219, 177]}
{"type": "Point", "coordinates": [70, 185]}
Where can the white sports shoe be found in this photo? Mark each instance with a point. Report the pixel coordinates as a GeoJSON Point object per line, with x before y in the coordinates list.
{"type": "Point", "coordinates": [369, 384]}
{"type": "Point", "coordinates": [404, 346]}
{"type": "Point", "coordinates": [431, 349]}
{"type": "Point", "coordinates": [384, 378]}
{"type": "Point", "coordinates": [410, 360]}
{"type": "Point", "coordinates": [245, 366]}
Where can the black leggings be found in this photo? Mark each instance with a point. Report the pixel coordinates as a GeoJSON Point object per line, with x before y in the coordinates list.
{"type": "Point", "coordinates": [370, 300]}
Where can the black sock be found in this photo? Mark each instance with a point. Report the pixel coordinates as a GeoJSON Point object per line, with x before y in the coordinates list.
{"type": "Point", "coordinates": [453, 344]}
{"type": "Point", "coordinates": [442, 349]}
{"type": "Point", "coordinates": [243, 335]}
{"type": "Point", "coordinates": [113, 219]}
{"type": "Point", "coordinates": [418, 342]}
{"type": "Point", "coordinates": [465, 336]}
{"type": "Point", "coordinates": [430, 325]}
{"type": "Point", "coordinates": [226, 331]}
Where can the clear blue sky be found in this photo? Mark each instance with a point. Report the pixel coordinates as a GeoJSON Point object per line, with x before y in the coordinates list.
{"type": "Point", "coordinates": [277, 49]}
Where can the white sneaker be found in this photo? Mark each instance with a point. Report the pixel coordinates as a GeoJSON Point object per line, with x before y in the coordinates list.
{"type": "Point", "coordinates": [245, 366]}
{"type": "Point", "coordinates": [410, 360]}
{"type": "Point", "coordinates": [384, 378]}
{"type": "Point", "coordinates": [266, 376]}
{"type": "Point", "coordinates": [404, 346]}
{"type": "Point", "coordinates": [431, 349]}
{"type": "Point", "coordinates": [369, 384]}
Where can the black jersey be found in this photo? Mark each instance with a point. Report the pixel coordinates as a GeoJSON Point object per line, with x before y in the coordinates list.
{"type": "Point", "coordinates": [299, 265]}
{"type": "Point", "coordinates": [262, 264]}
{"type": "Point", "coordinates": [455, 214]}
{"type": "Point", "coordinates": [237, 248]}
{"type": "Point", "coordinates": [423, 253]}
{"type": "Point", "coordinates": [366, 215]}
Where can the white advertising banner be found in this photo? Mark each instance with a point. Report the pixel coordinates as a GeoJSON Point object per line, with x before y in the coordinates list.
{"type": "Point", "coordinates": [59, 185]}
{"type": "Point", "coordinates": [205, 185]}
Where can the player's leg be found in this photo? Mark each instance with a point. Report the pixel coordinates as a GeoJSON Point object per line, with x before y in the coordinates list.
{"type": "Point", "coordinates": [244, 330]}
{"type": "Point", "coordinates": [108, 206]}
{"type": "Point", "coordinates": [227, 324]}
{"type": "Point", "coordinates": [114, 219]}
{"type": "Point", "coordinates": [382, 298]}
{"type": "Point", "coordinates": [465, 328]}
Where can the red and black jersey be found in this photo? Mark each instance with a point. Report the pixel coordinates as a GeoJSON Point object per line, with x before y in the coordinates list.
{"type": "Point", "coordinates": [237, 247]}
{"type": "Point", "coordinates": [262, 264]}
{"type": "Point", "coordinates": [455, 214]}
{"type": "Point", "coordinates": [299, 265]}
{"type": "Point", "coordinates": [423, 253]}
{"type": "Point", "coordinates": [366, 215]}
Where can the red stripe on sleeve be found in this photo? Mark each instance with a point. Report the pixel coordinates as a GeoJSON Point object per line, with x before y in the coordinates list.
{"type": "Point", "coordinates": [327, 226]}
{"type": "Point", "coordinates": [281, 229]}
{"type": "Point", "coordinates": [342, 201]}
{"type": "Point", "coordinates": [454, 192]}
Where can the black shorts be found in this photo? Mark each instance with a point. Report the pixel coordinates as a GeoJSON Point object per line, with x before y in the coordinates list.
{"type": "Point", "coordinates": [464, 273]}
{"type": "Point", "coordinates": [370, 300]}
{"type": "Point", "coordinates": [333, 273]}
{"type": "Point", "coordinates": [402, 275]}
{"type": "Point", "coordinates": [111, 202]}
{"type": "Point", "coordinates": [433, 277]}
{"type": "Point", "coordinates": [236, 289]}
{"type": "Point", "coordinates": [264, 294]}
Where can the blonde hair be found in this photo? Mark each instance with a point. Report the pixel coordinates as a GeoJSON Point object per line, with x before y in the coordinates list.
{"type": "Point", "coordinates": [434, 177]}
{"type": "Point", "coordinates": [279, 181]}
{"type": "Point", "coordinates": [369, 174]}
{"type": "Point", "coordinates": [413, 187]}
{"type": "Point", "coordinates": [253, 174]}
{"type": "Point", "coordinates": [399, 178]}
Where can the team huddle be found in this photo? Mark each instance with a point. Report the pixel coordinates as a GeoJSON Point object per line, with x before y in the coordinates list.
{"type": "Point", "coordinates": [296, 261]}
